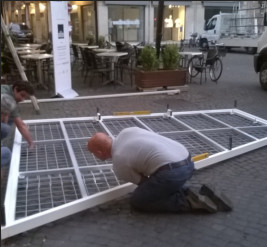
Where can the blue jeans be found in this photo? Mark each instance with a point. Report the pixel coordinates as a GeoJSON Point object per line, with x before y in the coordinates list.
{"type": "Point", "coordinates": [5, 156]}
{"type": "Point", "coordinates": [5, 129]}
{"type": "Point", "coordinates": [5, 151]}
{"type": "Point", "coordinates": [163, 191]}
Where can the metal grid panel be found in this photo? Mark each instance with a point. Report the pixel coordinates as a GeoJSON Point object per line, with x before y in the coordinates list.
{"type": "Point", "coordinates": [37, 193]}
{"type": "Point", "coordinates": [80, 129]}
{"type": "Point", "coordinates": [45, 131]}
{"type": "Point", "coordinates": [222, 136]}
{"type": "Point", "coordinates": [194, 142]}
{"type": "Point", "coordinates": [117, 125]}
{"type": "Point", "coordinates": [235, 120]}
{"type": "Point", "coordinates": [160, 124]}
{"type": "Point", "coordinates": [258, 132]}
{"type": "Point", "coordinates": [200, 121]}
{"type": "Point", "coordinates": [97, 180]}
{"type": "Point", "coordinates": [44, 156]}
{"type": "Point", "coordinates": [47, 178]}
{"type": "Point", "coordinates": [83, 157]}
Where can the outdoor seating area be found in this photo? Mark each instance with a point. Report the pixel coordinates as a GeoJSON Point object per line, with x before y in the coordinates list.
{"type": "Point", "coordinates": [110, 63]}
{"type": "Point", "coordinates": [37, 62]}
{"type": "Point", "coordinates": [114, 64]}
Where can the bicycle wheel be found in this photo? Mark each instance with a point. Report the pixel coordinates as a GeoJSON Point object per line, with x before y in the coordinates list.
{"type": "Point", "coordinates": [215, 70]}
{"type": "Point", "coordinates": [193, 64]}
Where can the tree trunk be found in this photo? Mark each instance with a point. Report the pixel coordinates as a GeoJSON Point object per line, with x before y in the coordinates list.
{"type": "Point", "coordinates": [159, 26]}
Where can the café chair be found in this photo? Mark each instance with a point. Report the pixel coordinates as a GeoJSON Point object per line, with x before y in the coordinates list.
{"type": "Point", "coordinates": [95, 65]}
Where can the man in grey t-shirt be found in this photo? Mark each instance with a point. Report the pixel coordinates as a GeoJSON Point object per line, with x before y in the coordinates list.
{"type": "Point", "coordinates": [8, 104]}
{"type": "Point", "coordinates": [19, 91]}
{"type": "Point", "coordinates": [160, 167]}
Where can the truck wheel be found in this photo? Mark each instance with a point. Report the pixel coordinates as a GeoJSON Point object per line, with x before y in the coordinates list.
{"type": "Point", "coordinates": [263, 76]}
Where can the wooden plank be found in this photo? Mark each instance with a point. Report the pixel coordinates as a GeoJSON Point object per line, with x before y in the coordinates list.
{"type": "Point", "coordinates": [131, 113]}
{"type": "Point", "coordinates": [153, 89]}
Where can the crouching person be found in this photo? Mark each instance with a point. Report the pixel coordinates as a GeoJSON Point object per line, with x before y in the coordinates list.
{"type": "Point", "coordinates": [19, 91]}
{"type": "Point", "coordinates": [160, 168]}
{"type": "Point", "coordinates": [8, 104]}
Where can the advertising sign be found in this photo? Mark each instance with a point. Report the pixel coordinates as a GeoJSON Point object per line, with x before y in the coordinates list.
{"type": "Point", "coordinates": [61, 49]}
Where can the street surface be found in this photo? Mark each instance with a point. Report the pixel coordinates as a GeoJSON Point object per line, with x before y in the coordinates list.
{"type": "Point", "coordinates": [242, 178]}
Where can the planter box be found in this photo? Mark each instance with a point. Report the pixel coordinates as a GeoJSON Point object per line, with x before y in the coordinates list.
{"type": "Point", "coordinates": [160, 78]}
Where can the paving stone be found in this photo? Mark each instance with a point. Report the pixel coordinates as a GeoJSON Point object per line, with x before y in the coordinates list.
{"type": "Point", "coordinates": [242, 178]}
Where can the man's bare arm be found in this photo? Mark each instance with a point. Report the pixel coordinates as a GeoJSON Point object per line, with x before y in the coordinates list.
{"type": "Point", "coordinates": [23, 129]}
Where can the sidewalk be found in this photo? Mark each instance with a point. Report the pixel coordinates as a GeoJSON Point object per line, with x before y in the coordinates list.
{"type": "Point", "coordinates": [242, 178]}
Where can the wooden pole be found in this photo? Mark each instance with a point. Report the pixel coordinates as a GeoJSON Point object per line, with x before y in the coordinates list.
{"type": "Point", "coordinates": [17, 61]}
{"type": "Point", "coordinates": [159, 26]}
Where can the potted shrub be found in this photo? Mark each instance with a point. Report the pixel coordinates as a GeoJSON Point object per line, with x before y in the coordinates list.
{"type": "Point", "coordinates": [148, 59]}
{"type": "Point", "coordinates": [90, 39]}
{"type": "Point", "coordinates": [150, 75]}
{"type": "Point", "coordinates": [170, 57]}
{"type": "Point", "coordinates": [101, 42]}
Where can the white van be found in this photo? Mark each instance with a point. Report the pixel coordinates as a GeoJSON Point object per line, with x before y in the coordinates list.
{"type": "Point", "coordinates": [234, 30]}
{"type": "Point", "coordinates": [260, 58]}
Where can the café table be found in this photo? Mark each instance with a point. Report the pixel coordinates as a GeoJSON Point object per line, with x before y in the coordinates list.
{"type": "Point", "coordinates": [25, 52]}
{"type": "Point", "coordinates": [114, 56]}
{"type": "Point", "coordinates": [22, 48]}
{"type": "Point", "coordinates": [186, 58]}
{"type": "Point", "coordinates": [38, 58]}
{"type": "Point", "coordinates": [90, 46]}
{"type": "Point", "coordinates": [33, 46]}
{"type": "Point", "coordinates": [79, 44]}
{"type": "Point", "coordinates": [186, 55]}
{"type": "Point", "coordinates": [98, 50]}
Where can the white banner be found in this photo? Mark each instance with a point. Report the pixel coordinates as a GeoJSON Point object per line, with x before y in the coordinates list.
{"type": "Point", "coordinates": [61, 49]}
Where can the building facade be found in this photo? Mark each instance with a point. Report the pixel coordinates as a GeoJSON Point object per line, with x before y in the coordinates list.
{"type": "Point", "coordinates": [135, 21]}
{"type": "Point", "coordinates": [130, 21]}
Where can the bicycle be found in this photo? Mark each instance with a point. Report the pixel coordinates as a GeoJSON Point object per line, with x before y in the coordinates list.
{"type": "Point", "coordinates": [198, 64]}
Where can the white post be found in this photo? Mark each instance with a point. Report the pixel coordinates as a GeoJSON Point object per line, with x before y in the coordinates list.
{"type": "Point", "coordinates": [61, 49]}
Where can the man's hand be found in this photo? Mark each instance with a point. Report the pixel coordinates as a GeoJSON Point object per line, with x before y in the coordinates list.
{"type": "Point", "coordinates": [31, 145]}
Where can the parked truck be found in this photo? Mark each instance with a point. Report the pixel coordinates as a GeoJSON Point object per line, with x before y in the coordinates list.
{"type": "Point", "coordinates": [240, 29]}
{"type": "Point", "coordinates": [260, 58]}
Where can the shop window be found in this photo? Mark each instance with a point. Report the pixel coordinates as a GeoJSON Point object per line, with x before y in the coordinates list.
{"type": "Point", "coordinates": [173, 22]}
{"type": "Point", "coordinates": [88, 17]}
{"type": "Point", "coordinates": [75, 27]}
{"type": "Point", "coordinates": [126, 23]}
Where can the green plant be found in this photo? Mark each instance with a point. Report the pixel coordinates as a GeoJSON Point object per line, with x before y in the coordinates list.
{"type": "Point", "coordinates": [90, 39]}
{"type": "Point", "coordinates": [170, 57]}
{"type": "Point", "coordinates": [148, 58]}
{"type": "Point", "coordinates": [101, 41]}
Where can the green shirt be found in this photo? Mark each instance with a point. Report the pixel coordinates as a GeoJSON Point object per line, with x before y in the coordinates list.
{"type": "Point", "coordinates": [7, 89]}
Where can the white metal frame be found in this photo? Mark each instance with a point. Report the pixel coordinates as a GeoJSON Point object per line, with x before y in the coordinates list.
{"type": "Point", "coordinates": [14, 227]}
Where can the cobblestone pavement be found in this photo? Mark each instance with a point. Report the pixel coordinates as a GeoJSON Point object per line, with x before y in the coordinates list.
{"type": "Point", "coordinates": [242, 178]}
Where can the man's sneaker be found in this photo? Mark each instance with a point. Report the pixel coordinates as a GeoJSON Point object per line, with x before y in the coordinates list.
{"type": "Point", "coordinates": [223, 203]}
{"type": "Point", "coordinates": [200, 202]}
